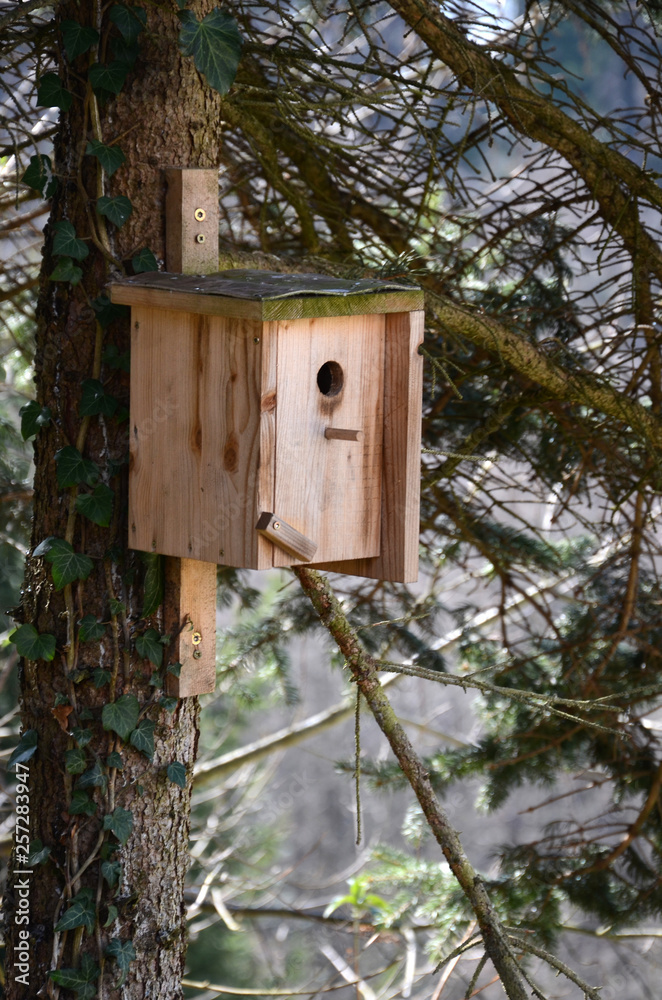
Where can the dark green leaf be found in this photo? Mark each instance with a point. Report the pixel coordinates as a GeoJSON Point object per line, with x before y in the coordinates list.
{"type": "Point", "coordinates": [119, 822]}
{"type": "Point", "coordinates": [97, 506]}
{"type": "Point", "coordinates": [142, 738]}
{"type": "Point", "coordinates": [26, 749]}
{"type": "Point", "coordinates": [51, 93]}
{"type": "Point", "coordinates": [33, 416]}
{"type": "Point", "coordinates": [125, 52]}
{"type": "Point", "coordinates": [75, 761]}
{"type": "Point", "coordinates": [100, 677]}
{"type": "Point", "coordinates": [149, 647]}
{"type": "Point", "coordinates": [95, 400]}
{"type": "Point", "coordinates": [85, 713]}
{"type": "Point", "coordinates": [170, 704]}
{"type": "Point", "coordinates": [114, 759]}
{"type": "Point", "coordinates": [144, 260]}
{"type": "Point", "coordinates": [94, 777]}
{"type": "Point", "coordinates": [156, 680]}
{"type": "Point", "coordinates": [214, 43]}
{"type": "Point", "coordinates": [117, 607]}
{"type": "Point", "coordinates": [73, 469]}
{"type": "Point", "coordinates": [121, 716]}
{"type": "Point", "coordinates": [32, 645]}
{"type": "Point", "coordinates": [66, 270]}
{"type": "Point", "coordinates": [109, 78]}
{"type": "Point", "coordinates": [38, 854]}
{"type": "Point", "coordinates": [39, 175]}
{"type": "Point", "coordinates": [124, 953]}
{"type": "Point", "coordinates": [112, 914]}
{"type": "Point", "coordinates": [111, 158]}
{"type": "Point", "coordinates": [81, 736]}
{"type": "Point", "coordinates": [111, 871]}
{"type": "Point", "coordinates": [130, 20]}
{"type": "Point", "coordinates": [175, 669]}
{"type": "Point", "coordinates": [117, 209]}
{"type": "Point", "coordinates": [66, 243]}
{"type": "Point", "coordinates": [77, 38]}
{"type": "Point", "coordinates": [78, 979]}
{"type": "Point", "coordinates": [177, 773]}
{"type": "Point", "coordinates": [81, 913]}
{"type": "Point", "coordinates": [118, 360]}
{"type": "Point", "coordinates": [67, 565]}
{"type": "Point", "coordinates": [61, 699]}
{"type": "Point", "coordinates": [106, 312]}
{"type": "Point", "coordinates": [154, 582]}
{"type": "Point", "coordinates": [81, 804]}
{"type": "Point", "coordinates": [90, 629]}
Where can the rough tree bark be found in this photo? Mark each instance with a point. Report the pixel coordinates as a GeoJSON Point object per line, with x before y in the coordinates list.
{"type": "Point", "coordinates": [164, 116]}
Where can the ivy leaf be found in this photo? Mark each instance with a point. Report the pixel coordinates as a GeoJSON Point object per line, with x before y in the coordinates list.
{"type": "Point", "coordinates": [111, 871]}
{"type": "Point", "coordinates": [75, 761]}
{"type": "Point", "coordinates": [121, 716]}
{"type": "Point", "coordinates": [97, 506]}
{"type": "Point", "coordinates": [149, 647]}
{"type": "Point", "coordinates": [124, 953]}
{"type": "Point", "coordinates": [117, 607]}
{"type": "Point", "coordinates": [125, 52]}
{"type": "Point", "coordinates": [142, 738]}
{"type": "Point", "coordinates": [119, 822]}
{"type": "Point", "coordinates": [78, 979]}
{"type": "Point", "coordinates": [131, 21]}
{"type": "Point", "coordinates": [66, 565]}
{"type": "Point", "coordinates": [33, 416]}
{"type": "Point", "coordinates": [37, 853]}
{"type": "Point", "coordinates": [108, 78]}
{"type": "Point", "coordinates": [170, 704]}
{"type": "Point", "coordinates": [32, 645]}
{"type": "Point", "coordinates": [111, 158]}
{"type": "Point", "coordinates": [107, 312]}
{"type": "Point", "coordinates": [81, 804]}
{"type": "Point", "coordinates": [51, 93]}
{"type": "Point", "coordinates": [114, 759]}
{"type": "Point", "coordinates": [154, 582]}
{"type": "Point", "coordinates": [73, 469]}
{"type": "Point", "coordinates": [95, 400]}
{"type": "Point", "coordinates": [112, 914]}
{"type": "Point", "coordinates": [77, 38]}
{"type": "Point", "coordinates": [117, 209]}
{"type": "Point", "coordinates": [144, 260]}
{"type": "Point", "coordinates": [66, 242]}
{"type": "Point", "coordinates": [39, 175]}
{"type": "Point", "coordinates": [214, 43]}
{"type": "Point", "coordinates": [25, 750]}
{"type": "Point", "coordinates": [100, 677]}
{"type": "Point", "coordinates": [90, 629]}
{"type": "Point", "coordinates": [81, 736]}
{"type": "Point", "coordinates": [177, 773]}
{"type": "Point", "coordinates": [174, 668]}
{"type": "Point", "coordinates": [94, 777]}
{"type": "Point", "coordinates": [116, 359]}
{"type": "Point", "coordinates": [66, 270]}
{"type": "Point", "coordinates": [81, 913]}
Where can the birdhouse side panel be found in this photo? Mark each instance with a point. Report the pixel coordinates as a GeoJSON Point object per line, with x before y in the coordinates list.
{"type": "Point", "coordinates": [329, 434]}
{"type": "Point", "coordinates": [195, 436]}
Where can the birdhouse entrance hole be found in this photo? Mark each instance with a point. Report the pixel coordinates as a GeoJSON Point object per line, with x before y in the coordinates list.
{"type": "Point", "coordinates": [330, 378]}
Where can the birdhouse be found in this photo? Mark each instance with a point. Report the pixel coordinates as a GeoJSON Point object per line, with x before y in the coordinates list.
{"type": "Point", "coordinates": [275, 420]}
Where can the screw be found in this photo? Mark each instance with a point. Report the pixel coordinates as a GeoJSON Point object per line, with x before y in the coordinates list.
{"type": "Point", "coordinates": [256, 340]}
{"type": "Point", "coordinates": [200, 215]}
{"type": "Point", "coordinates": [200, 238]}
{"type": "Point", "coordinates": [276, 525]}
{"type": "Point", "coordinates": [196, 638]}
{"type": "Point", "coordinates": [197, 654]}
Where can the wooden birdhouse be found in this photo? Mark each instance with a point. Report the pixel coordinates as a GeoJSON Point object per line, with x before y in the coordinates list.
{"type": "Point", "coordinates": [275, 420]}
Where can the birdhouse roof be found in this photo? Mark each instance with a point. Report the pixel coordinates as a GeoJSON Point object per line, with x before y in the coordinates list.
{"type": "Point", "coordinates": [266, 295]}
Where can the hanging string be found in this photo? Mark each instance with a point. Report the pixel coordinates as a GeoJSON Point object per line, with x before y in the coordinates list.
{"type": "Point", "coordinates": [357, 765]}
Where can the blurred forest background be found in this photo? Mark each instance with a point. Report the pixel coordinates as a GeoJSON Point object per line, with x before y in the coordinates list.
{"type": "Point", "coordinates": [540, 549]}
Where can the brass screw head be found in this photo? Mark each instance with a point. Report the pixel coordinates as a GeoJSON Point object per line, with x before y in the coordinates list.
{"type": "Point", "coordinates": [276, 525]}
{"type": "Point", "coordinates": [201, 238]}
{"type": "Point", "coordinates": [196, 638]}
{"type": "Point", "coordinates": [197, 654]}
{"type": "Point", "coordinates": [200, 215]}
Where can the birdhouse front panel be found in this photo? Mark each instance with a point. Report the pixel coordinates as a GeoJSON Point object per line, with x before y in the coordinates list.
{"type": "Point", "coordinates": [275, 420]}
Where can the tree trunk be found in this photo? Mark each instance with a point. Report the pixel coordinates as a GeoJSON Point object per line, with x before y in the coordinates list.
{"type": "Point", "coordinates": [164, 116]}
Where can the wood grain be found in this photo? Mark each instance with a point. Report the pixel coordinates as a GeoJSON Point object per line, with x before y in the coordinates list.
{"type": "Point", "coordinates": [191, 613]}
{"type": "Point", "coordinates": [285, 536]}
{"type": "Point", "coordinates": [190, 190]}
{"type": "Point", "coordinates": [195, 436]}
{"type": "Point", "coordinates": [403, 396]}
{"type": "Point", "coordinates": [330, 490]}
